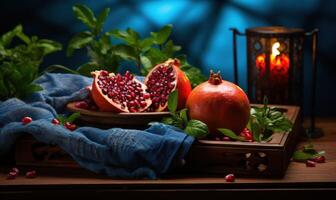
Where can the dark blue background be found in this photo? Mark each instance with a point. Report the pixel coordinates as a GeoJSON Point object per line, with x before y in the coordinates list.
{"type": "Point", "coordinates": [201, 27]}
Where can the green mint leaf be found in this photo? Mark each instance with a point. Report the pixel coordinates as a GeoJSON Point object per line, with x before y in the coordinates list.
{"type": "Point", "coordinates": [169, 49]}
{"type": "Point", "coordinates": [155, 56]}
{"type": "Point", "coordinates": [79, 41]}
{"type": "Point", "coordinates": [129, 36]}
{"type": "Point", "coordinates": [194, 75]}
{"type": "Point", "coordinates": [125, 52]}
{"type": "Point", "coordinates": [101, 20]}
{"type": "Point", "coordinates": [31, 88]}
{"type": "Point", "coordinates": [23, 37]}
{"type": "Point", "coordinates": [87, 68]}
{"type": "Point", "coordinates": [73, 117]}
{"type": "Point", "coordinates": [173, 101]}
{"type": "Point", "coordinates": [162, 35]}
{"type": "Point", "coordinates": [146, 44]}
{"type": "Point", "coordinates": [196, 128]}
{"type": "Point", "coordinates": [146, 62]}
{"type": "Point", "coordinates": [7, 38]}
{"type": "Point", "coordinates": [62, 119]}
{"type": "Point", "coordinates": [103, 45]}
{"type": "Point", "coordinates": [309, 148]}
{"type": "Point", "coordinates": [302, 156]}
{"type": "Point", "coordinates": [231, 134]}
{"type": "Point", "coordinates": [184, 115]}
{"type": "Point", "coordinates": [59, 68]}
{"type": "Point", "coordinates": [85, 14]}
{"type": "Point", "coordinates": [49, 46]}
{"type": "Point", "coordinates": [173, 121]}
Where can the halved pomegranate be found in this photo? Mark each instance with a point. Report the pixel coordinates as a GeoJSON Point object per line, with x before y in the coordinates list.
{"type": "Point", "coordinates": [162, 80]}
{"type": "Point", "coordinates": [117, 93]}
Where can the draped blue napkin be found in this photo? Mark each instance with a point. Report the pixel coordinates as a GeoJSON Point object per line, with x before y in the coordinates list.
{"type": "Point", "coordinates": [116, 152]}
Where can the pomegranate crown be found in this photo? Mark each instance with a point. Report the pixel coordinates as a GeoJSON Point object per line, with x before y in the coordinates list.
{"type": "Point", "coordinates": [215, 78]}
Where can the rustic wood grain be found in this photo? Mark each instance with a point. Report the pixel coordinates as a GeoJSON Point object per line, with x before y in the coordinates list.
{"type": "Point", "coordinates": [297, 174]}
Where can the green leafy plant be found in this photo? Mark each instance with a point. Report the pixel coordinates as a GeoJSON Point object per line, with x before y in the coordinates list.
{"type": "Point", "coordinates": [306, 153]}
{"type": "Point", "coordinates": [100, 49]}
{"type": "Point", "coordinates": [264, 121]}
{"type": "Point", "coordinates": [144, 53]}
{"type": "Point", "coordinates": [19, 64]}
{"type": "Point", "coordinates": [180, 119]}
{"type": "Point", "coordinates": [231, 134]}
{"type": "Point", "coordinates": [64, 119]}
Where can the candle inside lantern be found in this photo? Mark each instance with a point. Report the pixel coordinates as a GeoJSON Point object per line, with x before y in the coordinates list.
{"type": "Point", "coordinates": [279, 64]}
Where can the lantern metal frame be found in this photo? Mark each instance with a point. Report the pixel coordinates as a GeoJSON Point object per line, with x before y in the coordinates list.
{"type": "Point", "coordinates": [294, 38]}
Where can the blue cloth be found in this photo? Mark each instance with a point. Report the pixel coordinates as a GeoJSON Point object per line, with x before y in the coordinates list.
{"type": "Point", "coordinates": [116, 152]}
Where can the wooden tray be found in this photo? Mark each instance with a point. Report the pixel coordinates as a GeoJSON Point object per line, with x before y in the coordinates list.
{"type": "Point", "coordinates": [250, 159]}
{"type": "Point", "coordinates": [117, 119]}
{"type": "Point", "coordinates": [205, 157]}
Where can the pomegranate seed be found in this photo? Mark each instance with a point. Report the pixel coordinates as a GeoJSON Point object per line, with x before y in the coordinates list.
{"type": "Point", "coordinates": [104, 73]}
{"type": "Point", "coordinates": [26, 120]}
{"type": "Point", "coordinates": [132, 110]}
{"type": "Point", "coordinates": [247, 134]}
{"type": "Point", "coordinates": [119, 78]}
{"type": "Point", "coordinates": [55, 121]}
{"type": "Point", "coordinates": [70, 126]}
{"type": "Point", "coordinates": [31, 174]}
{"type": "Point", "coordinates": [320, 159]}
{"type": "Point", "coordinates": [143, 104]}
{"type": "Point", "coordinates": [110, 95]}
{"type": "Point", "coordinates": [146, 96]}
{"type": "Point", "coordinates": [310, 163]}
{"type": "Point", "coordinates": [225, 138]}
{"type": "Point", "coordinates": [16, 170]}
{"type": "Point", "coordinates": [230, 178]}
{"type": "Point", "coordinates": [12, 175]}
{"type": "Point", "coordinates": [81, 104]}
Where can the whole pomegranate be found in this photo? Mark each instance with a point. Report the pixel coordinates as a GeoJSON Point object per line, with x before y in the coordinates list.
{"type": "Point", "coordinates": [219, 104]}
{"type": "Point", "coordinates": [119, 93]}
{"type": "Point", "coordinates": [162, 80]}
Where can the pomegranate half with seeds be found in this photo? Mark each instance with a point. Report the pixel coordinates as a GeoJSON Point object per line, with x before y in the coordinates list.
{"type": "Point", "coordinates": [163, 79]}
{"type": "Point", "coordinates": [117, 93]}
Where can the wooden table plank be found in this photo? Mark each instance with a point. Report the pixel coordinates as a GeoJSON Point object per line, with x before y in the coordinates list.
{"type": "Point", "coordinates": [297, 174]}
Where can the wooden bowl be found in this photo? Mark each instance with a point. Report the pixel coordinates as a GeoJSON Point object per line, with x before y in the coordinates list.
{"type": "Point", "coordinates": [117, 119]}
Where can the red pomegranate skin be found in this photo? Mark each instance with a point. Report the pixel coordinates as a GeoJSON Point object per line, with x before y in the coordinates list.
{"type": "Point", "coordinates": [219, 104]}
{"type": "Point", "coordinates": [183, 88]}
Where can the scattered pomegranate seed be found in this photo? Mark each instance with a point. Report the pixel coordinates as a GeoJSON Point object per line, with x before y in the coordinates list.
{"type": "Point", "coordinates": [247, 134]}
{"type": "Point", "coordinates": [16, 170]}
{"type": "Point", "coordinates": [225, 138]}
{"type": "Point", "coordinates": [55, 121]}
{"type": "Point", "coordinates": [320, 159]}
{"type": "Point", "coordinates": [26, 120]}
{"type": "Point", "coordinates": [31, 174]}
{"type": "Point", "coordinates": [12, 175]}
{"type": "Point", "coordinates": [230, 178]}
{"type": "Point", "coordinates": [82, 104]}
{"type": "Point", "coordinates": [70, 126]}
{"type": "Point", "coordinates": [310, 163]}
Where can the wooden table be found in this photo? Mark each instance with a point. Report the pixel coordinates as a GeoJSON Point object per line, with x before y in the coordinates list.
{"type": "Point", "coordinates": [308, 182]}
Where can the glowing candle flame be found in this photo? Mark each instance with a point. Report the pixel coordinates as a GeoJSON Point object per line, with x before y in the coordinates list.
{"type": "Point", "coordinates": [275, 47]}
{"type": "Point", "coordinates": [279, 62]}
